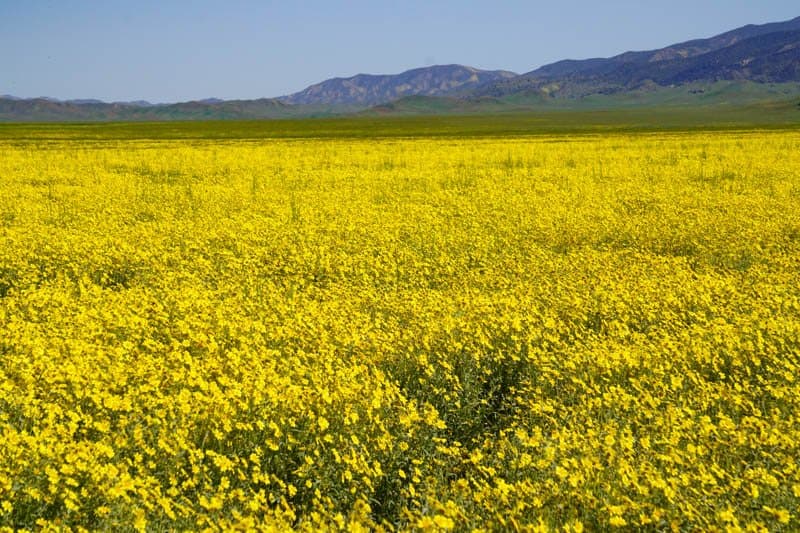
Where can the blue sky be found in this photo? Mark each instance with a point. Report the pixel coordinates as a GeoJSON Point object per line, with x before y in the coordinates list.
{"type": "Point", "coordinates": [166, 51]}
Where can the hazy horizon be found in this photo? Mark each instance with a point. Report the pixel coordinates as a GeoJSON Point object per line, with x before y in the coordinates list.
{"type": "Point", "coordinates": [174, 51]}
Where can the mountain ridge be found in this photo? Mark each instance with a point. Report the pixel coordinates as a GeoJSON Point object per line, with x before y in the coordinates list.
{"type": "Point", "coordinates": [374, 89]}
{"type": "Point", "coordinates": [580, 77]}
{"type": "Point", "coordinates": [684, 49]}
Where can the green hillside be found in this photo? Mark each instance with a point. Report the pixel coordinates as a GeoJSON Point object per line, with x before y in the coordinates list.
{"type": "Point", "coordinates": [499, 120]}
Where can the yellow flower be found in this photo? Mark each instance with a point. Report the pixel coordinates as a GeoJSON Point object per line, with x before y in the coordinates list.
{"type": "Point", "coordinates": [139, 520]}
{"type": "Point", "coordinates": [443, 522]}
{"type": "Point", "coordinates": [269, 333]}
{"type": "Point", "coordinates": [617, 521]}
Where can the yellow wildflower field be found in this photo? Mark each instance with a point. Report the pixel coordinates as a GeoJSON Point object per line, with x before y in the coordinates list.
{"type": "Point", "coordinates": [565, 333]}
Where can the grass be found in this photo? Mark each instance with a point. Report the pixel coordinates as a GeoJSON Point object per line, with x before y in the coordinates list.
{"type": "Point", "coordinates": [781, 113]}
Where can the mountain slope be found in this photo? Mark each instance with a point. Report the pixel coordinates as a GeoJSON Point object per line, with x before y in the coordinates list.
{"type": "Point", "coordinates": [766, 53]}
{"type": "Point", "coordinates": [688, 49]}
{"type": "Point", "coordinates": [770, 58]}
{"type": "Point", "coordinates": [369, 89]}
{"type": "Point", "coordinates": [722, 96]}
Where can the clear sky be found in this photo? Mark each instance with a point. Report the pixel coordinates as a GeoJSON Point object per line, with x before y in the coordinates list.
{"type": "Point", "coordinates": [166, 51]}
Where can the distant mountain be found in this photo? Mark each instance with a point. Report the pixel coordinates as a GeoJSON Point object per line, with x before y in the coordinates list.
{"type": "Point", "coordinates": [78, 101]}
{"type": "Point", "coordinates": [85, 101]}
{"type": "Point", "coordinates": [679, 51]}
{"type": "Point", "coordinates": [370, 89]}
{"type": "Point", "coordinates": [768, 53]}
{"type": "Point", "coordinates": [82, 101]}
{"type": "Point", "coordinates": [48, 110]}
{"type": "Point", "coordinates": [138, 103]}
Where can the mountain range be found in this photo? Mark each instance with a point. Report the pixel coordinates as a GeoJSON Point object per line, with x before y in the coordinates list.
{"type": "Point", "coordinates": [761, 60]}
{"type": "Point", "coordinates": [768, 53]}
{"type": "Point", "coordinates": [369, 89]}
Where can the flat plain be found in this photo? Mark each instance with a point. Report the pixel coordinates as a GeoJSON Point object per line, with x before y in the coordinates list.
{"type": "Point", "coordinates": [435, 324]}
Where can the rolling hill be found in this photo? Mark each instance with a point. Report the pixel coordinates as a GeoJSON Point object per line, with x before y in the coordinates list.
{"type": "Point", "coordinates": [48, 110]}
